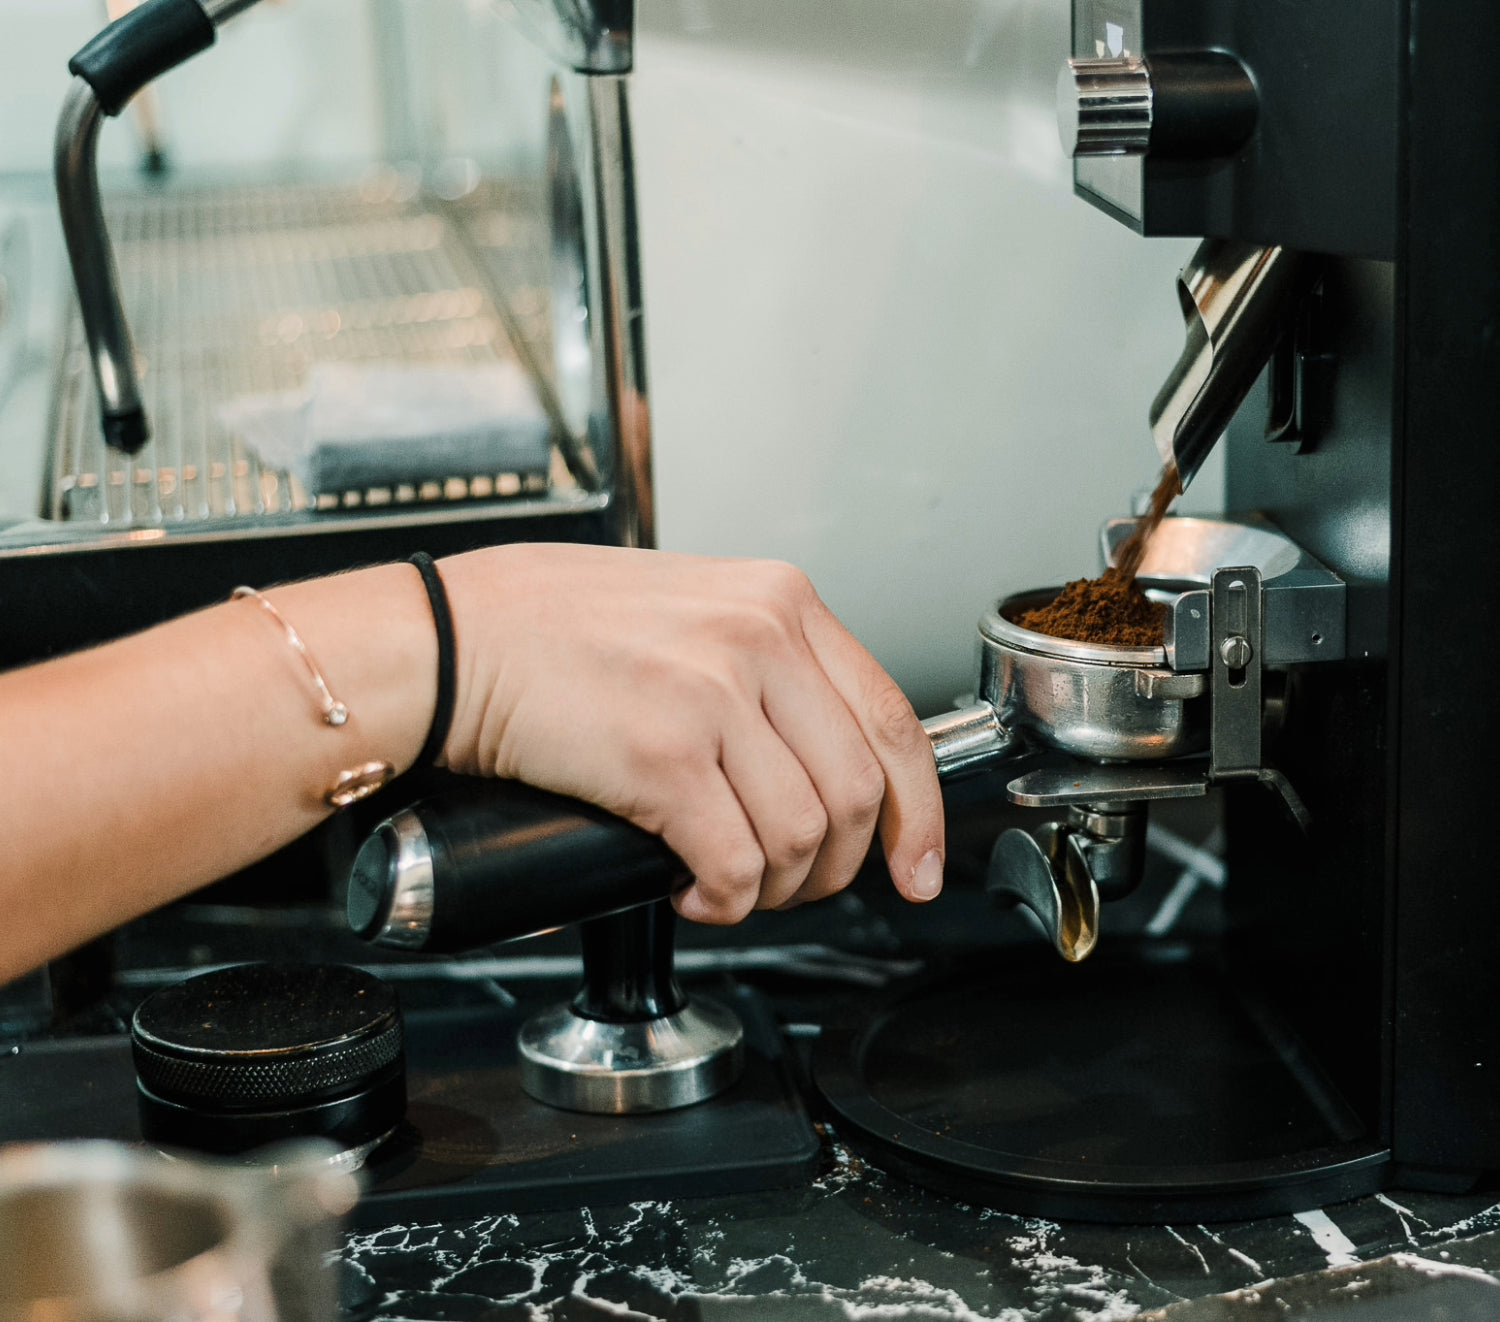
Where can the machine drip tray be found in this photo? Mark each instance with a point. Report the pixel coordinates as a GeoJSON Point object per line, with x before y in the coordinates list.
{"type": "Point", "coordinates": [1126, 1089]}
{"type": "Point", "coordinates": [473, 1143]}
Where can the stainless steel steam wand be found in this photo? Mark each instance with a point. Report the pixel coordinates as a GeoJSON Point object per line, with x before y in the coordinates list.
{"type": "Point", "coordinates": [127, 55]}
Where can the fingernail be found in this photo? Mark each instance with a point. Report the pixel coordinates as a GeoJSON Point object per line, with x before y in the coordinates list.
{"type": "Point", "coordinates": [927, 876]}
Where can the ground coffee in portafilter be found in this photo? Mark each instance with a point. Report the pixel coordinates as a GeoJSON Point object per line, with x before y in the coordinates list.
{"type": "Point", "coordinates": [1110, 609]}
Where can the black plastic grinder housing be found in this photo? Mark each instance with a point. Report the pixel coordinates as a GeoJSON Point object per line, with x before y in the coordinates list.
{"type": "Point", "coordinates": [258, 1053]}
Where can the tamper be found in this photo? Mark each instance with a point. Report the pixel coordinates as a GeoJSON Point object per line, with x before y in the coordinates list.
{"type": "Point", "coordinates": [491, 861]}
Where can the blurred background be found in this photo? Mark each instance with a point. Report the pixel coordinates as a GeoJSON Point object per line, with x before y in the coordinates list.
{"type": "Point", "coordinates": [884, 340]}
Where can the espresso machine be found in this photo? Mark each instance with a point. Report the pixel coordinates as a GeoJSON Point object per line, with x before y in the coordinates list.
{"type": "Point", "coordinates": [457, 1106]}
{"type": "Point", "coordinates": [198, 298]}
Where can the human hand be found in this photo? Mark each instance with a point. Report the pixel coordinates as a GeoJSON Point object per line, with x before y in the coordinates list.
{"type": "Point", "coordinates": [716, 703]}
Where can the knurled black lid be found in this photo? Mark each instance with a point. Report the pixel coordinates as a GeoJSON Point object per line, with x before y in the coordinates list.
{"type": "Point", "coordinates": [259, 1037]}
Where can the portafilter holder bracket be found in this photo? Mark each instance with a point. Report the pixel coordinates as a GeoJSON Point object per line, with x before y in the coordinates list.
{"type": "Point", "coordinates": [1241, 597]}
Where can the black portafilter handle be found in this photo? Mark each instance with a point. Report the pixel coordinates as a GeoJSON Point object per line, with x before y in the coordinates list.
{"type": "Point", "coordinates": [485, 861]}
{"type": "Point", "coordinates": [493, 860]}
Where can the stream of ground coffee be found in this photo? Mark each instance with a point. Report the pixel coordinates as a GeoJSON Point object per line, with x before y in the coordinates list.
{"type": "Point", "coordinates": [1111, 609]}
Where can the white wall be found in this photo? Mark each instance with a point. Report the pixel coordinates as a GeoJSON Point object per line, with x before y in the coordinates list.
{"type": "Point", "coordinates": [886, 342]}
{"type": "Point", "coordinates": [290, 82]}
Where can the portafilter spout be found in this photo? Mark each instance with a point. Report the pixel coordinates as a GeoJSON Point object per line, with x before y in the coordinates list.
{"type": "Point", "coordinates": [1236, 301]}
{"type": "Point", "coordinates": [127, 55]}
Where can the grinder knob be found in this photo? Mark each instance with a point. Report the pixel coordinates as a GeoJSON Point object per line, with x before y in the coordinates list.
{"type": "Point", "coordinates": [493, 860]}
{"type": "Point", "coordinates": [1199, 104]}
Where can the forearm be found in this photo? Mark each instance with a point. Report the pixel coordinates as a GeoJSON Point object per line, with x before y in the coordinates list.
{"type": "Point", "coordinates": [148, 767]}
{"type": "Point", "coordinates": [727, 711]}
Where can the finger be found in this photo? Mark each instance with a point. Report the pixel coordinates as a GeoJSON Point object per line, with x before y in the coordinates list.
{"type": "Point", "coordinates": [709, 831]}
{"type": "Point", "coordinates": [911, 815]}
{"type": "Point", "coordinates": [783, 807]}
{"type": "Point", "coordinates": [815, 722]}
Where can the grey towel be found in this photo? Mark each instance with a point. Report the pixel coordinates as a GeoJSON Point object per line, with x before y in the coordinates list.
{"type": "Point", "coordinates": [357, 426]}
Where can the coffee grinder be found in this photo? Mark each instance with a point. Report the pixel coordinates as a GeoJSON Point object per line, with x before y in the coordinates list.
{"type": "Point", "coordinates": [1327, 1044]}
{"type": "Point", "coordinates": [1337, 1040]}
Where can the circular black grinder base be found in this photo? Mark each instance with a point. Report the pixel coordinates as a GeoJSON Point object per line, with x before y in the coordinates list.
{"type": "Point", "coordinates": [1126, 1089]}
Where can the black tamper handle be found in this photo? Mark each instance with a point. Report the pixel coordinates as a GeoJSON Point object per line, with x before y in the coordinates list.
{"type": "Point", "coordinates": [495, 860]}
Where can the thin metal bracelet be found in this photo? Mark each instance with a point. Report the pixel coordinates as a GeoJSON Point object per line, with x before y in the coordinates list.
{"type": "Point", "coordinates": [334, 711]}
{"type": "Point", "coordinates": [356, 783]}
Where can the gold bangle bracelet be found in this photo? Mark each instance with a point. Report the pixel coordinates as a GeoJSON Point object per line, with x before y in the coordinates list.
{"type": "Point", "coordinates": [334, 711]}
{"type": "Point", "coordinates": [357, 782]}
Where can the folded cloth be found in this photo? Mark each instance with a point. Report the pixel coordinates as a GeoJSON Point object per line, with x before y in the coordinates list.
{"type": "Point", "coordinates": [356, 426]}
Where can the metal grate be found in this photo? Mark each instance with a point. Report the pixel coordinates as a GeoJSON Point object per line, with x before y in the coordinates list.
{"type": "Point", "coordinates": [241, 292]}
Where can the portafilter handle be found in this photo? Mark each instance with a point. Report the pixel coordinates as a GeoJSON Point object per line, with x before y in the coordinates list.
{"type": "Point", "coordinates": [971, 740]}
{"type": "Point", "coordinates": [492, 860]}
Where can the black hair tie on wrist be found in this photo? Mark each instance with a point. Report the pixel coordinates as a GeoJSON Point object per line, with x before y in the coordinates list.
{"type": "Point", "coordinates": [442, 712]}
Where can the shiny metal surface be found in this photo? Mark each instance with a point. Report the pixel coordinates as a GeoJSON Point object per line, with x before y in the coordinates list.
{"type": "Point", "coordinates": [622, 335]}
{"type": "Point", "coordinates": [571, 324]}
{"type": "Point", "coordinates": [1036, 870]}
{"type": "Point", "coordinates": [221, 11]}
{"type": "Point", "coordinates": [240, 291]}
{"type": "Point", "coordinates": [1305, 602]}
{"type": "Point", "coordinates": [97, 1231]}
{"type": "Point", "coordinates": [1235, 744]}
{"type": "Point", "coordinates": [604, 1068]}
{"type": "Point", "coordinates": [1109, 841]}
{"type": "Point", "coordinates": [90, 255]}
{"type": "Point", "coordinates": [590, 36]}
{"type": "Point", "coordinates": [1083, 699]}
{"type": "Point", "coordinates": [1104, 107]}
{"type": "Point", "coordinates": [392, 874]}
{"type": "Point", "coordinates": [969, 740]}
{"type": "Point", "coordinates": [1054, 787]}
{"type": "Point", "coordinates": [1235, 298]}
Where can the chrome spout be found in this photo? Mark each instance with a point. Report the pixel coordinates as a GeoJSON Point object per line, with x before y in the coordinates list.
{"type": "Point", "coordinates": [127, 55]}
{"type": "Point", "coordinates": [1236, 300]}
{"type": "Point", "coordinates": [94, 275]}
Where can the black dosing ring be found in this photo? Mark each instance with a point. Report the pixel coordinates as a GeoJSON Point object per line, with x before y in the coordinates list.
{"type": "Point", "coordinates": [257, 1053]}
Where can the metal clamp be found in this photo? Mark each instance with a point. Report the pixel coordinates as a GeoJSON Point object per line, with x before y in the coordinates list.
{"type": "Point", "coordinates": [1236, 654]}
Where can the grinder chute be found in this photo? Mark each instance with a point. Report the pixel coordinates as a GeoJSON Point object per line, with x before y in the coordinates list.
{"type": "Point", "coordinates": [1237, 301]}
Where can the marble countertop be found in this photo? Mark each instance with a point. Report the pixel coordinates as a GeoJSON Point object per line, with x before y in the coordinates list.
{"type": "Point", "coordinates": [858, 1244]}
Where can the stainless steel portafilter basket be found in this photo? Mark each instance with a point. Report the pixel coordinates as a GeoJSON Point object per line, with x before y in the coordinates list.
{"type": "Point", "coordinates": [1094, 701]}
{"type": "Point", "coordinates": [1105, 703]}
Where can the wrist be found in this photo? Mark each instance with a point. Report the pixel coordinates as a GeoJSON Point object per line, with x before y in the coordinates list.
{"type": "Point", "coordinates": [485, 591]}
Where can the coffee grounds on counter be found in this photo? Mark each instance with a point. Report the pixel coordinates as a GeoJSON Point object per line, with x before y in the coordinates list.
{"type": "Point", "coordinates": [1110, 609]}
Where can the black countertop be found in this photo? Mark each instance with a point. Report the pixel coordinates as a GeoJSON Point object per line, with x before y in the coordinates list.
{"type": "Point", "coordinates": [848, 1240]}
{"type": "Point", "coordinates": [856, 1244]}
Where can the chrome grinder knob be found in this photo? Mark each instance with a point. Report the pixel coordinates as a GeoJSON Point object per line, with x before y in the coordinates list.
{"type": "Point", "coordinates": [1104, 107]}
{"type": "Point", "coordinates": [1195, 105]}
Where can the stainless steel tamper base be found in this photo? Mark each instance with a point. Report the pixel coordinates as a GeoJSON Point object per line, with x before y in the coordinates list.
{"type": "Point", "coordinates": [606, 1068]}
